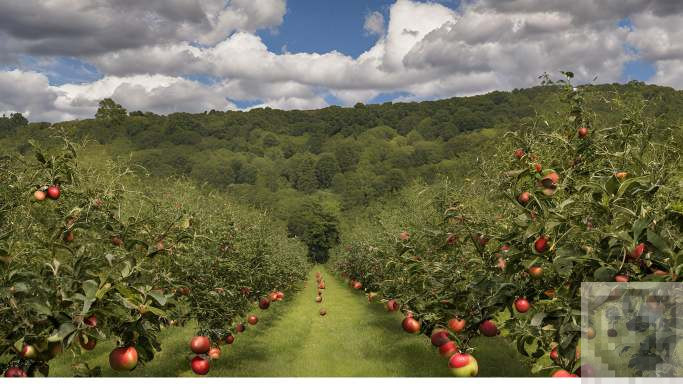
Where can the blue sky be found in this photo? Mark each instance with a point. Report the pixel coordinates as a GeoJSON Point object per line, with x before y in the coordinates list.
{"type": "Point", "coordinates": [306, 54]}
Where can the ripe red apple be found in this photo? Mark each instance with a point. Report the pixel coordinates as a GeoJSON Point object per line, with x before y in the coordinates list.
{"type": "Point", "coordinates": [522, 305]}
{"type": "Point", "coordinates": [524, 197]}
{"type": "Point", "coordinates": [264, 303]}
{"type": "Point", "coordinates": [538, 167]}
{"type": "Point", "coordinates": [123, 359]}
{"type": "Point", "coordinates": [638, 251]}
{"type": "Point", "coordinates": [53, 192]}
{"type": "Point", "coordinates": [28, 352]}
{"type": "Point", "coordinates": [117, 241]}
{"type": "Point", "coordinates": [15, 372]}
{"type": "Point", "coordinates": [357, 285]}
{"type": "Point", "coordinates": [456, 325]}
{"type": "Point", "coordinates": [621, 278]}
{"type": "Point", "coordinates": [280, 295]}
{"type": "Point", "coordinates": [404, 235]}
{"type": "Point", "coordinates": [200, 344]}
{"type": "Point", "coordinates": [90, 321]}
{"type": "Point", "coordinates": [214, 353]}
{"type": "Point", "coordinates": [318, 299]}
{"type": "Point", "coordinates": [554, 354]}
{"type": "Point", "coordinates": [563, 373]}
{"type": "Point", "coordinates": [541, 244]}
{"type": "Point", "coordinates": [519, 153]}
{"type": "Point", "coordinates": [39, 195]}
{"type": "Point", "coordinates": [239, 328]}
{"type": "Point", "coordinates": [88, 344]}
{"type": "Point", "coordinates": [321, 285]}
{"type": "Point", "coordinates": [229, 339]}
{"type": "Point", "coordinates": [505, 248]}
{"type": "Point", "coordinates": [550, 180]}
{"type": "Point", "coordinates": [621, 175]}
{"type": "Point", "coordinates": [392, 305]}
{"type": "Point", "coordinates": [200, 365]}
{"type": "Point", "coordinates": [463, 365]}
{"type": "Point", "coordinates": [252, 319]}
{"type": "Point", "coordinates": [322, 312]}
{"type": "Point", "coordinates": [448, 349]}
{"type": "Point", "coordinates": [439, 337]}
{"type": "Point", "coordinates": [536, 272]}
{"type": "Point", "coordinates": [272, 296]}
{"type": "Point", "coordinates": [488, 328]}
{"type": "Point", "coordinates": [411, 325]}
{"type": "Point", "coordinates": [582, 132]}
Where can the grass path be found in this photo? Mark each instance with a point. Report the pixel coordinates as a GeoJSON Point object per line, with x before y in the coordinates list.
{"type": "Point", "coordinates": [355, 338]}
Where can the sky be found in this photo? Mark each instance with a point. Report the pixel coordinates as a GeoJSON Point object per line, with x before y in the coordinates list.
{"type": "Point", "coordinates": [58, 58]}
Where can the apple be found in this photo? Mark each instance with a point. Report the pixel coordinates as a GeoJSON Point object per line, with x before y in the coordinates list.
{"type": "Point", "coordinates": [538, 167]}
{"type": "Point", "coordinates": [589, 333]}
{"type": "Point", "coordinates": [563, 373]}
{"type": "Point", "coordinates": [39, 195]}
{"type": "Point", "coordinates": [488, 328]}
{"type": "Point", "coordinates": [550, 293]}
{"type": "Point", "coordinates": [322, 312]}
{"type": "Point", "coordinates": [28, 352]}
{"type": "Point", "coordinates": [264, 303]}
{"type": "Point", "coordinates": [448, 349]}
{"type": "Point", "coordinates": [621, 175]}
{"type": "Point", "coordinates": [439, 337]}
{"type": "Point", "coordinates": [582, 132]}
{"type": "Point", "coordinates": [357, 285]}
{"type": "Point", "coordinates": [637, 251]}
{"type": "Point", "coordinates": [505, 248]}
{"type": "Point", "coordinates": [541, 244]}
{"type": "Point", "coordinates": [524, 197]}
{"type": "Point", "coordinates": [200, 365]}
{"type": "Point", "coordinates": [621, 278]}
{"type": "Point", "coordinates": [502, 264]}
{"type": "Point", "coordinates": [252, 319]}
{"type": "Point", "coordinates": [536, 272]}
{"type": "Point", "coordinates": [184, 291]}
{"type": "Point", "coordinates": [372, 296]}
{"type": "Point", "coordinates": [550, 180]}
{"type": "Point", "coordinates": [229, 339]}
{"type": "Point", "coordinates": [456, 325]}
{"type": "Point", "coordinates": [280, 295]}
{"type": "Point", "coordinates": [519, 153]}
{"type": "Point", "coordinates": [463, 365]}
{"type": "Point", "coordinates": [15, 372]}
{"type": "Point", "coordinates": [214, 353]}
{"type": "Point", "coordinates": [90, 321]}
{"type": "Point", "coordinates": [392, 305]}
{"type": "Point", "coordinates": [200, 344]}
{"type": "Point", "coordinates": [451, 239]}
{"type": "Point", "coordinates": [88, 344]}
{"type": "Point", "coordinates": [53, 192]}
{"type": "Point", "coordinates": [522, 305]}
{"type": "Point", "coordinates": [318, 299]}
{"type": "Point", "coordinates": [404, 235]}
{"type": "Point", "coordinates": [411, 325]}
{"type": "Point", "coordinates": [123, 358]}
{"type": "Point", "coordinates": [321, 285]}
{"type": "Point", "coordinates": [554, 354]}
{"type": "Point", "coordinates": [272, 296]}
{"type": "Point", "coordinates": [239, 328]}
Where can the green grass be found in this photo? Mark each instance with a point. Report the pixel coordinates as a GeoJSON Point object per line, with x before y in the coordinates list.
{"type": "Point", "coordinates": [355, 338]}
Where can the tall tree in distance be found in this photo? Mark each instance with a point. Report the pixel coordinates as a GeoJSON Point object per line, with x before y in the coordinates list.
{"type": "Point", "coordinates": [316, 227]}
{"type": "Point", "coordinates": [110, 111]}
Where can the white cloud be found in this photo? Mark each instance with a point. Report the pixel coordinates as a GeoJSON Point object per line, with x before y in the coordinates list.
{"type": "Point", "coordinates": [374, 23]}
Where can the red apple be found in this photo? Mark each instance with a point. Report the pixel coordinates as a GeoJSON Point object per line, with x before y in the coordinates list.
{"type": "Point", "coordinates": [411, 325]}
{"type": "Point", "coordinates": [280, 295]}
{"type": "Point", "coordinates": [214, 353]}
{"type": "Point", "coordinates": [200, 344]}
{"type": "Point", "coordinates": [392, 305]}
{"type": "Point", "coordinates": [538, 167]}
{"type": "Point", "coordinates": [563, 373]}
{"type": "Point", "coordinates": [239, 328]}
{"type": "Point", "coordinates": [524, 197]}
{"type": "Point", "coordinates": [15, 372]}
{"type": "Point", "coordinates": [200, 365]}
{"type": "Point", "coordinates": [88, 344]}
{"type": "Point", "coordinates": [541, 244]}
{"type": "Point", "coordinates": [456, 325]}
{"type": "Point", "coordinates": [519, 153]}
{"type": "Point", "coordinates": [439, 337]}
{"type": "Point", "coordinates": [448, 349]}
{"type": "Point", "coordinates": [554, 354]}
{"type": "Point", "coordinates": [123, 359]}
{"type": "Point", "coordinates": [252, 319]}
{"type": "Point", "coordinates": [621, 175]}
{"type": "Point", "coordinates": [264, 303]}
{"type": "Point", "coordinates": [463, 365]}
{"type": "Point", "coordinates": [39, 195]}
{"type": "Point", "coordinates": [404, 235]}
{"type": "Point", "coordinates": [229, 339]}
{"type": "Point", "coordinates": [582, 132]}
{"type": "Point", "coordinates": [28, 352]}
{"type": "Point", "coordinates": [621, 278]}
{"type": "Point", "coordinates": [90, 321]}
{"type": "Point", "coordinates": [488, 328]}
{"type": "Point", "coordinates": [357, 285]}
{"type": "Point", "coordinates": [53, 192]}
{"type": "Point", "coordinates": [536, 272]}
{"type": "Point", "coordinates": [522, 305]}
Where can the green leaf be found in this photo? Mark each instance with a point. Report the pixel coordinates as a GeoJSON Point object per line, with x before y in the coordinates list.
{"type": "Point", "coordinates": [604, 273]}
{"type": "Point", "coordinates": [638, 227]}
{"type": "Point", "coordinates": [158, 296]}
{"type": "Point", "coordinates": [661, 244]}
{"type": "Point", "coordinates": [157, 311]}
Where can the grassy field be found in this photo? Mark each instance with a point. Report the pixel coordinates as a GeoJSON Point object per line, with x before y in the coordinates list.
{"type": "Point", "coordinates": [355, 338]}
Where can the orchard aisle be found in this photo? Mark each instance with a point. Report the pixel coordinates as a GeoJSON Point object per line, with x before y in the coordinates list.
{"type": "Point", "coordinates": [354, 338]}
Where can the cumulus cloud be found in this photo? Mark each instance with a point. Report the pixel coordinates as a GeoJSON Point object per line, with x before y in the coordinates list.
{"type": "Point", "coordinates": [424, 50]}
{"type": "Point", "coordinates": [374, 23]}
